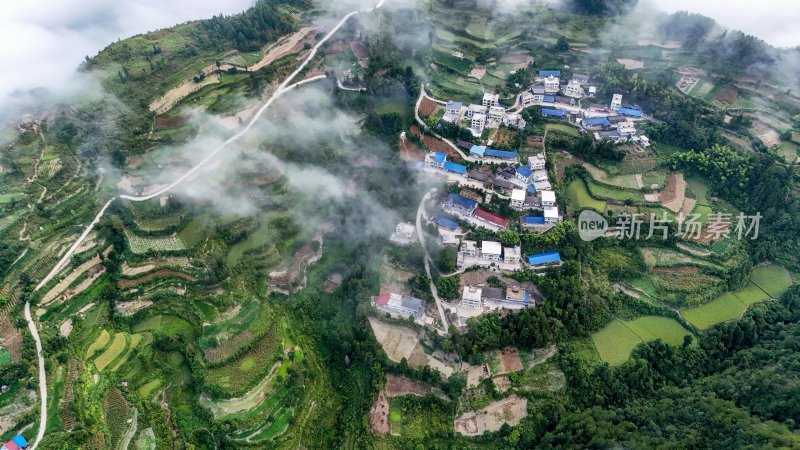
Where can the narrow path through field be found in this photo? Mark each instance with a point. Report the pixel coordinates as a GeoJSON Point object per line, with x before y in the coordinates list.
{"type": "Point", "coordinates": [42, 376]}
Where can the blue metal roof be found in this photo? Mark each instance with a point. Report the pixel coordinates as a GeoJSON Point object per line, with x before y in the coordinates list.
{"type": "Point", "coordinates": [525, 171]}
{"type": "Point", "coordinates": [553, 112]}
{"type": "Point", "coordinates": [461, 201]}
{"type": "Point", "coordinates": [439, 157]}
{"type": "Point", "coordinates": [630, 112]}
{"type": "Point", "coordinates": [549, 99]}
{"type": "Point", "coordinates": [444, 222]}
{"type": "Point", "coordinates": [20, 441]}
{"type": "Point", "coordinates": [597, 122]}
{"type": "Point", "coordinates": [453, 167]}
{"type": "Point", "coordinates": [534, 220]}
{"type": "Point", "coordinates": [549, 73]}
{"type": "Point", "coordinates": [500, 154]}
{"type": "Point", "coordinates": [544, 258]}
{"type": "Point", "coordinates": [478, 149]}
{"type": "Point", "coordinates": [531, 189]}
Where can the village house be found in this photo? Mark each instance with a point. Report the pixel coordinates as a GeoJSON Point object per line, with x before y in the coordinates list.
{"type": "Point", "coordinates": [580, 78]}
{"type": "Point", "coordinates": [527, 99]}
{"type": "Point", "coordinates": [482, 152]}
{"type": "Point", "coordinates": [573, 89]}
{"type": "Point", "coordinates": [517, 198]}
{"type": "Point", "coordinates": [543, 260]}
{"type": "Point", "coordinates": [16, 443]}
{"type": "Point", "coordinates": [435, 160]}
{"type": "Point", "coordinates": [452, 112]}
{"type": "Point", "coordinates": [496, 113]}
{"type": "Point", "coordinates": [490, 218]}
{"type": "Point", "coordinates": [512, 255]}
{"type": "Point", "coordinates": [514, 120]}
{"type": "Point", "coordinates": [476, 109]}
{"type": "Point", "coordinates": [551, 214]}
{"type": "Point", "coordinates": [557, 113]}
{"type": "Point", "coordinates": [630, 112]}
{"type": "Point", "coordinates": [592, 91]}
{"type": "Point", "coordinates": [595, 122]}
{"type": "Point", "coordinates": [524, 173]}
{"type": "Point", "coordinates": [544, 73]}
{"type": "Point", "coordinates": [616, 102]}
{"type": "Point", "coordinates": [471, 297]}
{"type": "Point", "coordinates": [477, 124]}
{"type": "Point", "coordinates": [445, 223]}
{"type": "Point", "coordinates": [491, 251]}
{"type": "Point", "coordinates": [537, 162]}
{"type": "Point", "coordinates": [537, 92]}
{"type": "Point", "coordinates": [469, 248]}
{"type": "Point", "coordinates": [548, 198]}
{"type": "Point", "coordinates": [460, 205]}
{"type": "Point", "coordinates": [404, 233]}
{"type": "Point", "coordinates": [626, 130]}
{"type": "Point", "coordinates": [528, 221]}
{"type": "Point", "coordinates": [552, 85]}
{"type": "Point", "coordinates": [490, 100]}
{"type": "Point", "coordinates": [400, 306]}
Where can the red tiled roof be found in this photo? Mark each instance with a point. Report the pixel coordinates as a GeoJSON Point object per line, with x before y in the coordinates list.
{"type": "Point", "coordinates": [382, 299]}
{"type": "Point", "coordinates": [10, 445]}
{"type": "Point", "coordinates": [490, 217]}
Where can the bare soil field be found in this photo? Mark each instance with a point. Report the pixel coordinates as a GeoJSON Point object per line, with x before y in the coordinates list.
{"type": "Point", "coordinates": [379, 415]}
{"type": "Point", "coordinates": [151, 264]}
{"type": "Point", "coordinates": [686, 83]}
{"type": "Point", "coordinates": [478, 72]}
{"type": "Point", "coordinates": [674, 192]}
{"type": "Point", "coordinates": [767, 135]}
{"type": "Point", "coordinates": [397, 385]}
{"type": "Point", "coordinates": [510, 410]}
{"type": "Point", "coordinates": [428, 107]}
{"type": "Point", "coordinates": [510, 360]}
{"type": "Point", "coordinates": [398, 342]}
{"type": "Point", "coordinates": [10, 337]}
{"type": "Point", "coordinates": [435, 144]}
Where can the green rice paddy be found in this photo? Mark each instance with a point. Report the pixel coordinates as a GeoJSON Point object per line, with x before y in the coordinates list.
{"type": "Point", "coordinates": [616, 341]}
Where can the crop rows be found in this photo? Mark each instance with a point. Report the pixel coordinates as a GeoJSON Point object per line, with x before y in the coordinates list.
{"type": "Point", "coordinates": [141, 245]}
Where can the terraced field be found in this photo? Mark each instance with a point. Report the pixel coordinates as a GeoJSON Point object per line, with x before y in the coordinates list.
{"type": "Point", "coordinates": [141, 244]}
{"type": "Point", "coordinates": [616, 341]}
{"type": "Point", "coordinates": [580, 198]}
{"type": "Point", "coordinates": [775, 281]}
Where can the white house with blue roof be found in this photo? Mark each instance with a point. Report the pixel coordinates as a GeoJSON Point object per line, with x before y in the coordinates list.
{"type": "Point", "coordinates": [524, 173]}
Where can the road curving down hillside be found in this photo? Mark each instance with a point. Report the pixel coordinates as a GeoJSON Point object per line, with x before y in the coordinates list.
{"type": "Point", "coordinates": [282, 88]}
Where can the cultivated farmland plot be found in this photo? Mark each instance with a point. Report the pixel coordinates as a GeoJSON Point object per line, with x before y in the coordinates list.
{"type": "Point", "coordinates": [140, 245]}
{"type": "Point", "coordinates": [766, 281]}
{"type": "Point", "coordinates": [616, 341]}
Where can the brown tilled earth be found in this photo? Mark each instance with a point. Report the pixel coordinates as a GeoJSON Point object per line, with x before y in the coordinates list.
{"type": "Point", "coordinates": [510, 360]}
{"type": "Point", "coordinates": [427, 107]}
{"type": "Point", "coordinates": [158, 273]}
{"type": "Point", "coordinates": [399, 385]}
{"type": "Point", "coordinates": [379, 415]}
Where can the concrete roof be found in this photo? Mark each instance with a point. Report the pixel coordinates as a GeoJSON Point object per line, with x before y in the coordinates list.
{"type": "Point", "coordinates": [472, 293]}
{"type": "Point", "coordinates": [551, 212]}
{"type": "Point", "coordinates": [491, 247]}
{"type": "Point", "coordinates": [548, 196]}
{"type": "Point", "coordinates": [518, 195]}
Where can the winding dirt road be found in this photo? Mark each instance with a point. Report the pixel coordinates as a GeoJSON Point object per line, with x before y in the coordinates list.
{"type": "Point", "coordinates": [282, 88]}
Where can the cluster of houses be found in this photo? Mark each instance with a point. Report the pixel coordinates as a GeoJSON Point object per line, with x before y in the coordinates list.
{"type": "Point", "coordinates": [17, 443]}
{"type": "Point", "coordinates": [550, 90]}
{"type": "Point", "coordinates": [489, 254]}
{"type": "Point", "coordinates": [489, 114]}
